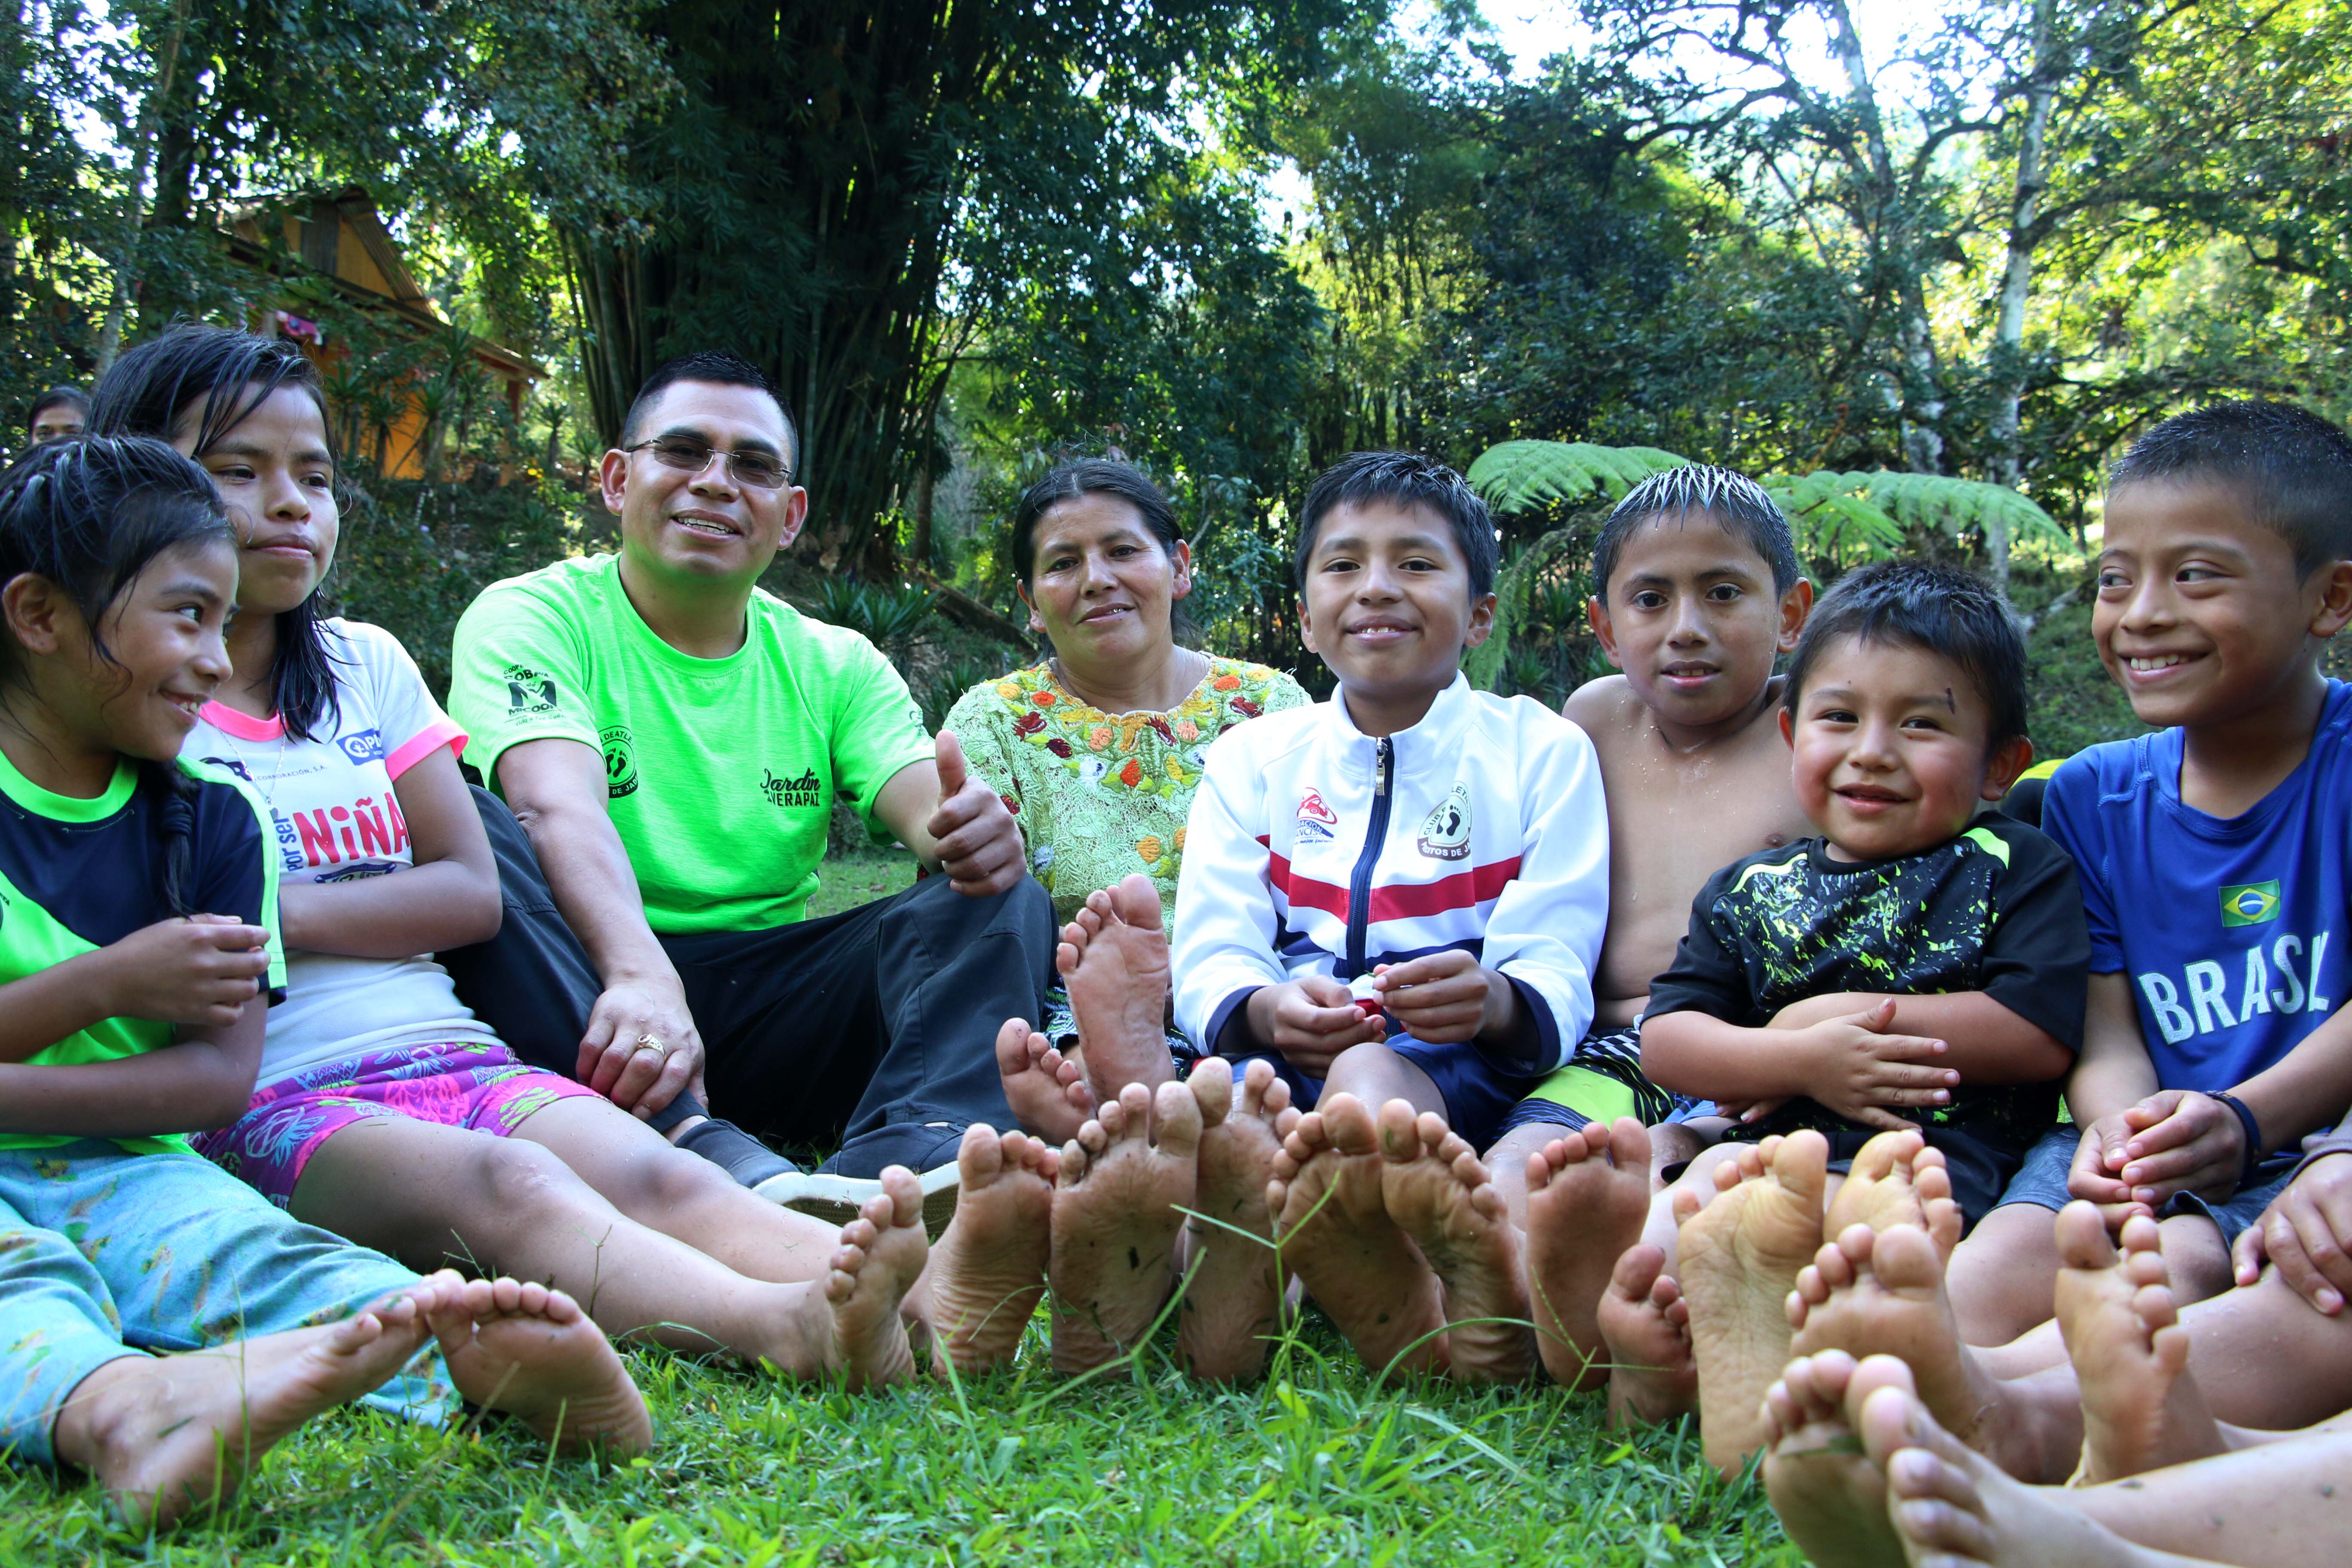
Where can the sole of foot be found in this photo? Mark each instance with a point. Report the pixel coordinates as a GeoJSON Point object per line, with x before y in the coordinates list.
{"type": "Point", "coordinates": [988, 1268]}
{"type": "Point", "coordinates": [1445, 1200]}
{"type": "Point", "coordinates": [881, 1255]}
{"type": "Point", "coordinates": [1644, 1326]}
{"type": "Point", "coordinates": [1332, 1217]}
{"type": "Point", "coordinates": [1882, 1293]}
{"type": "Point", "coordinates": [1831, 1498]}
{"type": "Point", "coordinates": [1738, 1257]}
{"type": "Point", "coordinates": [1124, 1178]}
{"type": "Point", "coordinates": [1049, 1095]}
{"type": "Point", "coordinates": [1949, 1506]}
{"type": "Point", "coordinates": [173, 1436]}
{"type": "Point", "coordinates": [1587, 1195]}
{"type": "Point", "coordinates": [2141, 1410]}
{"type": "Point", "coordinates": [1897, 1180]}
{"type": "Point", "coordinates": [1233, 1305]}
{"type": "Point", "coordinates": [531, 1353]}
{"type": "Point", "coordinates": [1113, 960]}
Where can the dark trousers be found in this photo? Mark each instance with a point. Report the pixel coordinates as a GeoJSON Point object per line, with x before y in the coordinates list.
{"type": "Point", "coordinates": [877, 1025]}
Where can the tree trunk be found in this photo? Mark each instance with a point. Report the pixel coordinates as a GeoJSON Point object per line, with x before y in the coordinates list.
{"type": "Point", "coordinates": [142, 160]}
{"type": "Point", "coordinates": [2016, 282]}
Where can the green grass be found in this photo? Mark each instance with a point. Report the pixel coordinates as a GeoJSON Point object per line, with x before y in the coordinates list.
{"type": "Point", "coordinates": [1313, 1467]}
{"type": "Point", "coordinates": [850, 878]}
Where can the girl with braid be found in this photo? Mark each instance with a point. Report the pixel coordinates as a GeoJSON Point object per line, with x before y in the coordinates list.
{"type": "Point", "coordinates": [138, 950]}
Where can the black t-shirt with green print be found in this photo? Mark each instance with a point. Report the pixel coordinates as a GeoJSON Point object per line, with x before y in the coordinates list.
{"type": "Point", "coordinates": [1995, 909]}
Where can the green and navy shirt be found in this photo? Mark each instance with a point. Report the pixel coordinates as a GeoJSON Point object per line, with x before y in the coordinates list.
{"type": "Point", "coordinates": [78, 874]}
{"type": "Point", "coordinates": [1996, 910]}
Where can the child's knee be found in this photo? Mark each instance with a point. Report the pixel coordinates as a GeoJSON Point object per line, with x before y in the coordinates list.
{"type": "Point", "coordinates": [2196, 1258]}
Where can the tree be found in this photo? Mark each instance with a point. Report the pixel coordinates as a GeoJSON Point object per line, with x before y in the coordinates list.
{"type": "Point", "coordinates": [850, 193]}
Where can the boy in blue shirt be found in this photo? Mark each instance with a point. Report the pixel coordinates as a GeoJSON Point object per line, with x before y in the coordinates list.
{"type": "Point", "coordinates": [2212, 856]}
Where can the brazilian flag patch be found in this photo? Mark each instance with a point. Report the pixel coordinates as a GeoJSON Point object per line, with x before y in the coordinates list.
{"type": "Point", "coordinates": [2250, 904]}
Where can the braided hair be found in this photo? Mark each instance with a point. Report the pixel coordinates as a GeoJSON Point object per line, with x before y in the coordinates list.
{"type": "Point", "coordinates": [88, 514]}
{"type": "Point", "coordinates": [230, 374]}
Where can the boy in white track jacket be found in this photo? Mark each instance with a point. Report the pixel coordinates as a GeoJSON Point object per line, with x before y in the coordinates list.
{"type": "Point", "coordinates": [1436, 852]}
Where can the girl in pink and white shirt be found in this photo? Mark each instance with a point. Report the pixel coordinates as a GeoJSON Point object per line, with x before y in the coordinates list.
{"type": "Point", "coordinates": [386, 1112]}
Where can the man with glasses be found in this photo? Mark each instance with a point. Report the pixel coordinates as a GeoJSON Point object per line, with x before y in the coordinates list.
{"type": "Point", "coordinates": [672, 739]}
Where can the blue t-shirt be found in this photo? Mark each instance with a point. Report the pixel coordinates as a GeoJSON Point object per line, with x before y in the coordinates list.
{"type": "Point", "coordinates": [2227, 927]}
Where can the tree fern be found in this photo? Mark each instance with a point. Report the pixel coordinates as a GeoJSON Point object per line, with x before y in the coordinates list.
{"type": "Point", "coordinates": [1847, 518]}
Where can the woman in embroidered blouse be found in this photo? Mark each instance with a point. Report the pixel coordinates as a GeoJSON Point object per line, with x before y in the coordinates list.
{"type": "Point", "coordinates": [1097, 750]}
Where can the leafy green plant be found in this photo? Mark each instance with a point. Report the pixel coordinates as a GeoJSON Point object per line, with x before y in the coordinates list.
{"type": "Point", "coordinates": [1843, 519]}
{"type": "Point", "coordinates": [891, 618]}
{"type": "Point", "coordinates": [950, 681]}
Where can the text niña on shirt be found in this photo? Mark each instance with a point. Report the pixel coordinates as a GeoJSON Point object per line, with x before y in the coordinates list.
{"type": "Point", "coordinates": [2207, 997]}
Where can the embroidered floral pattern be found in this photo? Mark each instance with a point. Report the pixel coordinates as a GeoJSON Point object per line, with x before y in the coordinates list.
{"type": "Point", "coordinates": [1102, 796]}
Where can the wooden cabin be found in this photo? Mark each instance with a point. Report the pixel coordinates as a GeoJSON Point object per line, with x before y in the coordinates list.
{"type": "Point", "coordinates": [342, 237]}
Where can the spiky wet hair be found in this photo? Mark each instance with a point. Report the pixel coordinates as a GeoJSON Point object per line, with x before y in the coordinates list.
{"type": "Point", "coordinates": [1737, 504]}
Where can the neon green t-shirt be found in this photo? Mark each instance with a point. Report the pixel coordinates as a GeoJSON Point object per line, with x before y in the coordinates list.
{"type": "Point", "coordinates": [721, 773]}
{"type": "Point", "coordinates": [76, 875]}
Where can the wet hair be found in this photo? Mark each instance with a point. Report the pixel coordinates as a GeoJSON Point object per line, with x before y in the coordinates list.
{"type": "Point", "coordinates": [1953, 614]}
{"type": "Point", "coordinates": [2290, 469]}
{"type": "Point", "coordinates": [1403, 480]}
{"type": "Point", "coordinates": [89, 513]}
{"type": "Point", "coordinates": [1732, 501]}
{"type": "Point", "coordinates": [715, 368]}
{"type": "Point", "coordinates": [152, 385]}
{"type": "Point", "coordinates": [72, 397]}
{"type": "Point", "coordinates": [1105, 476]}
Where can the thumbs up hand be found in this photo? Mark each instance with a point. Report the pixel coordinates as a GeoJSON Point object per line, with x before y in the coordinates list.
{"type": "Point", "coordinates": [974, 837]}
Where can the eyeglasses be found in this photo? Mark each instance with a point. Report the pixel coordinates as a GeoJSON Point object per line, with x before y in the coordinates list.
{"type": "Point", "coordinates": [760, 470]}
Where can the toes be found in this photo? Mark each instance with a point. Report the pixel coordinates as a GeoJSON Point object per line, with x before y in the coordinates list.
{"type": "Point", "coordinates": [1640, 1269]}
{"type": "Point", "coordinates": [1348, 1123]}
{"type": "Point", "coordinates": [1212, 1083]}
{"type": "Point", "coordinates": [1136, 901]}
{"type": "Point", "coordinates": [1012, 1047]}
{"type": "Point", "coordinates": [1260, 1086]}
{"type": "Point", "coordinates": [1629, 1145]}
{"type": "Point", "coordinates": [1801, 1165]}
{"type": "Point", "coordinates": [904, 1196]}
{"type": "Point", "coordinates": [1905, 1258]}
{"type": "Point", "coordinates": [1400, 1137]}
{"type": "Point", "coordinates": [979, 1156]}
{"type": "Point", "coordinates": [1176, 1114]}
{"type": "Point", "coordinates": [1881, 1404]}
{"type": "Point", "coordinates": [2082, 1237]}
{"type": "Point", "coordinates": [1074, 1157]}
{"type": "Point", "coordinates": [1135, 1103]}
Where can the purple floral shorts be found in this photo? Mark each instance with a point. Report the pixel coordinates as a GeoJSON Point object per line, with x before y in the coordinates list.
{"type": "Point", "coordinates": [483, 1089]}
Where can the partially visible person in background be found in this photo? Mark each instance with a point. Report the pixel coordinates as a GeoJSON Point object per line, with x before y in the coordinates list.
{"type": "Point", "coordinates": [57, 414]}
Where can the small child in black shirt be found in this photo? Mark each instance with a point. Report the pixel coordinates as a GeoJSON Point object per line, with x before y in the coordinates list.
{"type": "Point", "coordinates": [1919, 964]}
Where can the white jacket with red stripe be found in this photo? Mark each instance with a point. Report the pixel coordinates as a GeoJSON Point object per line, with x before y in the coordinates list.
{"type": "Point", "coordinates": [1314, 848]}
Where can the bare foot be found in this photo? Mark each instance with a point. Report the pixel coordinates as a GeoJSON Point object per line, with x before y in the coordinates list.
{"type": "Point", "coordinates": [1114, 960]}
{"type": "Point", "coordinates": [1738, 1257]}
{"type": "Point", "coordinates": [1048, 1094]}
{"type": "Point", "coordinates": [531, 1353]}
{"type": "Point", "coordinates": [1897, 1180]}
{"type": "Point", "coordinates": [1115, 1222]}
{"type": "Point", "coordinates": [1587, 1195]}
{"type": "Point", "coordinates": [1645, 1327]}
{"type": "Point", "coordinates": [1951, 1507]}
{"type": "Point", "coordinates": [1883, 1294]}
{"type": "Point", "coordinates": [2141, 1411]}
{"type": "Point", "coordinates": [1235, 1296]}
{"type": "Point", "coordinates": [988, 1268]}
{"type": "Point", "coordinates": [1444, 1201]}
{"type": "Point", "coordinates": [1831, 1498]}
{"type": "Point", "coordinates": [882, 1253]}
{"type": "Point", "coordinates": [1337, 1237]}
{"type": "Point", "coordinates": [169, 1435]}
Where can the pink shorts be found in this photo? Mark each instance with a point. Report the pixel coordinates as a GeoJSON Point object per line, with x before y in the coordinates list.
{"type": "Point", "coordinates": [482, 1087]}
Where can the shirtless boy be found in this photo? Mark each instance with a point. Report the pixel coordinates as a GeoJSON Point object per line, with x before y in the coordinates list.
{"type": "Point", "coordinates": [1699, 589]}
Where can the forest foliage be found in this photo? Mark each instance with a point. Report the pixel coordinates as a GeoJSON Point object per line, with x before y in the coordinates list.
{"type": "Point", "coordinates": [1888, 256]}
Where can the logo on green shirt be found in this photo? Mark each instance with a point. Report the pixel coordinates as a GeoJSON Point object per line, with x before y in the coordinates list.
{"type": "Point", "coordinates": [2250, 904]}
{"type": "Point", "coordinates": [529, 691]}
{"type": "Point", "coordinates": [620, 761]}
{"type": "Point", "coordinates": [802, 791]}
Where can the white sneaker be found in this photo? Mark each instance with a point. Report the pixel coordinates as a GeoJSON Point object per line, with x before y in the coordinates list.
{"type": "Point", "coordinates": [836, 1199]}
